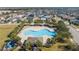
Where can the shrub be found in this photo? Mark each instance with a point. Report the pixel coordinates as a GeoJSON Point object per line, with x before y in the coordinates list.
{"type": "Point", "coordinates": [38, 43]}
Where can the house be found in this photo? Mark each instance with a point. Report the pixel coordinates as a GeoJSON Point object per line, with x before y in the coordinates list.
{"type": "Point", "coordinates": [66, 17]}
{"type": "Point", "coordinates": [45, 17]}
{"type": "Point", "coordinates": [5, 11]}
{"type": "Point", "coordinates": [75, 21]}
{"type": "Point", "coordinates": [30, 17]}
{"type": "Point", "coordinates": [36, 18]}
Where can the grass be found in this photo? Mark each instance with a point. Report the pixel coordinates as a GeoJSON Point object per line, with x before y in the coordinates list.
{"type": "Point", "coordinates": [4, 31]}
{"type": "Point", "coordinates": [54, 47]}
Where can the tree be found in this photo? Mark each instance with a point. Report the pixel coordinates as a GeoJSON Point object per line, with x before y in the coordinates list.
{"type": "Point", "coordinates": [49, 42]}
{"type": "Point", "coordinates": [17, 38]}
{"type": "Point", "coordinates": [61, 26]}
{"type": "Point", "coordinates": [60, 39]}
{"type": "Point", "coordinates": [28, 45]}
{"type": "Point", "coordinates": [67, 48]}
{"type": "Point", "coordinates": [38, 43]}
{"type": "Point", "coordinates": [7, 40]}
{"type": "Point", "coordinates": [63, 31]}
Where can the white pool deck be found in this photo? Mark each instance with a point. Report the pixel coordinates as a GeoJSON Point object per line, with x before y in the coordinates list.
{"type": "Point", "coordinates": [37, 28]}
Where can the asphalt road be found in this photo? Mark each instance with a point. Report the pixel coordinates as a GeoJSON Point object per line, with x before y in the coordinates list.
{"type": "Point", "coordinates": [74, 33]}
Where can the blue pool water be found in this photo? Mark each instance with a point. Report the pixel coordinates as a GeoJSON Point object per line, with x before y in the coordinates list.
{"type": "Point", "coordinates": [39, 33]}
{"type": "Point", "coordinates": [10, 44]}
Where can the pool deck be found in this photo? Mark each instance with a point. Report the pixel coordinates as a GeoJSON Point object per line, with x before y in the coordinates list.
{"type": "Point", "coordinates": [37, 28]}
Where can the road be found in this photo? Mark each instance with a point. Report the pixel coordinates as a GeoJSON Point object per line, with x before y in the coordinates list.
{"type": "Point", "coordinates": [74, 33]}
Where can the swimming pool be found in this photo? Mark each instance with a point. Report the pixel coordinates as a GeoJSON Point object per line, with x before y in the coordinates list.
{"type": "Point", "coordinates": [10, 44]}
{"type": "Point", "coordinates": [39, 33]}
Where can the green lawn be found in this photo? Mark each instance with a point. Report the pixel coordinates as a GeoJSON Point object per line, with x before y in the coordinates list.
{"type": "Point", "coordinates": [4, 31]}
{"type": "Point", "coordinates": [54, 47]}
